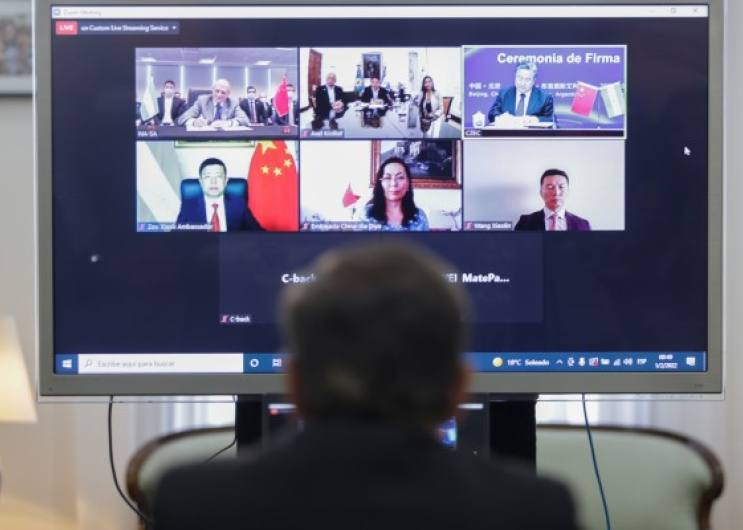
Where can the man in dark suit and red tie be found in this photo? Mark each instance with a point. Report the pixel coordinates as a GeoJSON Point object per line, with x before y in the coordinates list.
{"type": "Point", "coordinates": [329, 97]}
{"type": "Point", "coordinates": [256, 110]}
{"type": "Point", "coordinates": [522, 104]}
{"type": "Point", "coordinates": [221, 211]}
{"type": "Point", "coordinates": [554, 189]}
{"type": "Point", "coordinates": [169, 106]}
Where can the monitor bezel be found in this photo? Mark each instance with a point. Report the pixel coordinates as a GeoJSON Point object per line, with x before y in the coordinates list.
{"type": "Point", "coordinates": [51, 385]}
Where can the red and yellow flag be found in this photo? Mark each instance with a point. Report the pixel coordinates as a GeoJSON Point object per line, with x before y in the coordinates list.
{"type": "Point", "coordinates": [273, 187]}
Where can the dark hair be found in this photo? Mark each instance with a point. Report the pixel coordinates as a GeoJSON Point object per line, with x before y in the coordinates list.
{"type": "Point", "coordinates": [423, 84]}
{"type": "Point", "coordinates": [422, 98]}
{"type": "Point", "coordinates": [212, 162]}
{"type": "Point", "coordinates": [169, 81]}
{"type": "Point", "coordinates": [378, 210]}
{"type": "Point", "coordinates": [527, 65]}
{"type": "Point", "coordinates": [249, 87]}
{"type": "Point", "coordinates": [377, 335]}
{"type": "Point", "coordinates": [289, 85]}
{"type": "Point", "coordinates": [553, 172]}
{"type": "Point", "coordinates": [374, 77]}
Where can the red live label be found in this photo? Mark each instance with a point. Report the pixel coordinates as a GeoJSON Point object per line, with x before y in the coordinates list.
{"type": "Point", "coordinates": [66, 28]}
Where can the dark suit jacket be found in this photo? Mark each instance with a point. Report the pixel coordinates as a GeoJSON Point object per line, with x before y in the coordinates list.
{"type": "Point", "coordinates": [262, 111]}
{"type": "Point", "coordinates": [284, 120]}
{"type": "Point", "coordinates": [535, 221]}
{"type": "Point", "coordinates": [238, 216]}
{"type": "Point", "coordinates": [360, 476]}
{"type": "Point", "coordinates": [540, 104]}
{"type": "Point", "coordinates": [322, 101]}
{"type": "Point", "coordinates": [178, 107]}
{"type": "Point", "coordinates": [366, 95]}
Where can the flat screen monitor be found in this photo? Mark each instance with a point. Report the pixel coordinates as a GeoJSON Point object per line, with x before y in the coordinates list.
{"type": "Point", "coordinates": [192, 159]}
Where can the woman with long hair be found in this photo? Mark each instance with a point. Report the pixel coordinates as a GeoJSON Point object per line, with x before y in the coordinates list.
{"type": "Point", "coordinates": [392, 204]}
{"type": "Point", "coordinates": [430, 101]}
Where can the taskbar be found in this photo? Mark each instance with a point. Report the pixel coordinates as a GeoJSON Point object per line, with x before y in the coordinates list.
{"type": "Point", "coordinates": [275, 363]}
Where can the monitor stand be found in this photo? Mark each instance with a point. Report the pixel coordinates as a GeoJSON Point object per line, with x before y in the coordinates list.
{"type": "Point", "coordinates": [512, 425]}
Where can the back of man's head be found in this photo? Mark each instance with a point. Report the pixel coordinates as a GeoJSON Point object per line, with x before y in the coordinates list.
{"type": "Point", "coordinates": [378, 335]}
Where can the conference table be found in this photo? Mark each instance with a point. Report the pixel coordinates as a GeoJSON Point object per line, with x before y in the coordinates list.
{"type": "Point", "coordinates": [178, 132]}
{"type": "Point", "coordinates": [362, 121]}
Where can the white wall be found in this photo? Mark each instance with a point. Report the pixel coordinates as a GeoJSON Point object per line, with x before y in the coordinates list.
{"type": "Point", "coordinates": [55, 473]}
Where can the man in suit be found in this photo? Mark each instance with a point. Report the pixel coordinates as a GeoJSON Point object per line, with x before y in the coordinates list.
{"type": "Point", "coordinates": [523, 104]}
{"type": "Point", "coordinates": [554, 187]}
{"type": "Point", "coordinates": [170, 107]}
{"type": "Point", "coordinates": [329, 97]}
{"type": "Point", "coordinates": [376, 345]}
{"type": "Point", "coordinates": [374, 91]}
{"type": "Point", "coordinates": [222, 212]}
{"type": "Point", "coordinates": [215, 110]}
{"type": "Point", "coordinates": [293, 117]}
{"type": "Point", "coordinates": [257, 111]}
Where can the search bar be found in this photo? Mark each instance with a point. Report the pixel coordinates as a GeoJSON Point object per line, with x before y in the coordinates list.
{"type": "Point", "coordinates": [158, 363]}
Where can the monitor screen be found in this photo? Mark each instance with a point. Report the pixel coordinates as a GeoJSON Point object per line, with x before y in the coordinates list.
{"type": "Point", "coordinates": [468, 432]}
{"type": "Point", "coordinates": [193, 159]}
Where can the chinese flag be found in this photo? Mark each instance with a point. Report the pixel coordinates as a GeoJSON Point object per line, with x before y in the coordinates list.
{"type": "Point", "coordinates": [273, 186]}
{"type": "Point", "coordinates": [281, 99]}
{"type": "Point", "coordinates": [585, 97]}
{"type": "Point", "coordinates": [350, 197]}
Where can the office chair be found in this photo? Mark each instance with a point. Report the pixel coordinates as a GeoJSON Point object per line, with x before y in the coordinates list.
{"type": "Point", "coordinates": [236, 187]}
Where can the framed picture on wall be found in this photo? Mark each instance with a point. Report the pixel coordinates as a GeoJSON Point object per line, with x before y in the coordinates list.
{"type": "Point", "coordinates": [372, 64]}
{"type": "Point", "coordinates": [16, 57]}
{"type": "Point", "coordinates": [433, 164]}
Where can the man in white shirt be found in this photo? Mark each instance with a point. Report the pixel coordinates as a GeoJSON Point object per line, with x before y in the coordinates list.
{"type": "Point", "coordinates": [170, 107]}
{"type": "Point", "coordinates": [329, 97]}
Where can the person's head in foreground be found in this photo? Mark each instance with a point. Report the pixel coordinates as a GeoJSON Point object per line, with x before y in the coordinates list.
{"type": "Point", "coordinates": [378, 336]}
{"type": "Point", "coordinates": [376, 344]}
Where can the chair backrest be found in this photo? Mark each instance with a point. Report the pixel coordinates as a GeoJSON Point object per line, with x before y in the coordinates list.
{"type": "Point", "coordinates": [147, 465]}
{"type": "Point", "coordinates": [447, 106]}
{"type": "Point", "coordinates": [236, 187]}
{"type": "Point", "coordinates": [653, 479]}
{"type": "Point", "coordinates": [194, 93]}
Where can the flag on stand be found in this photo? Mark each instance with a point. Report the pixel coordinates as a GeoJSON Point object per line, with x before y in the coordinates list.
{"type": "Point", "coordinates": [273, 186]}
{"type": "Point", "coordinates": [281, 99]}
{"type": "Point", "coordinates": [359, 86]}
{"type": "Point", "coordinates": [148, 109]}
{"type": "Point", "coordinates": [385, 81]}
{"type": "Point", "coordinates": [584, 99]}
{"type": "Point", "coordinates": [350, 197]}
{"type": "Point", "coordinates": [613, 98]}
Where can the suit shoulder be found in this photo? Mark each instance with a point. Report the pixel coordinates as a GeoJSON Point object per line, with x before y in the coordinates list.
{"type": "Point", "coordinates": [553, 497]}
{"type": "Point", "coordinates": [584, 224]}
